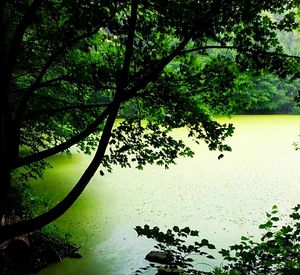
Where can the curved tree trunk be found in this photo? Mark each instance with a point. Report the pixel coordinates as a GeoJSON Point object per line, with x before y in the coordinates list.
{"type": "Point", "coordinates": [12, 230]}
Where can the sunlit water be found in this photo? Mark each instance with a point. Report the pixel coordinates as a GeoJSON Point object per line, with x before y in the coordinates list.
{"type": "Point", "coordinates": [223, 199]}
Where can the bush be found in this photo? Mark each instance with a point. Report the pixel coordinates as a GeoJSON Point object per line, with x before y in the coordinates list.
{"type": "Point", "coordinates": [173, 243]}
{"type": "Point", "coordinates": [277, 251]}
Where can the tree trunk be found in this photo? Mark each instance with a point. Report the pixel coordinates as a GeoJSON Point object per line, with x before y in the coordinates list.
{"type": "Point", "coordinates": [5, 159]}
{"type": "Point", "coordinates": [12, 230]}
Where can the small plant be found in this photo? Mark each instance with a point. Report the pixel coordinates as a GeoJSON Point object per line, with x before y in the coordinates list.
{"type": "Point", "coordinates": [278, 250]}
{"type": "Point", "coordinates": [173, 244]}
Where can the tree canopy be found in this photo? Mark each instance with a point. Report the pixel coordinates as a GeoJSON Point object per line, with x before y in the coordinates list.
{"type": "Point", "coordinates": [69, 68]}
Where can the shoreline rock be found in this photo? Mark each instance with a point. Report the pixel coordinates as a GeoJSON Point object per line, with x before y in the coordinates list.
{"type": "Point", "coordinates": [161, 257]}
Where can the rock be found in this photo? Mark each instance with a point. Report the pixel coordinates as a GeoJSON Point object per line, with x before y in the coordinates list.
{"type": "Point", "coordinates": [159, 257]}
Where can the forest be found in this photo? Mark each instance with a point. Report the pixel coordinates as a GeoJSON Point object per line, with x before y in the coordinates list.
{"type": "Point", "coordinates": [70, 70]}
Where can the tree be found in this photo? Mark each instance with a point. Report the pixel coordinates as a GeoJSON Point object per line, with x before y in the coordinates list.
{"type": "Point", "coordinates": [249, 92]}
{"type": "Point", "coordinates": [69, 67]}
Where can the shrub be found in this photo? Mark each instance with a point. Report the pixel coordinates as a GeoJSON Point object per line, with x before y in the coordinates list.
{"type": "Point", "coordinates": [277, 251]}
{"type": "Point", "coordinates": [173, 243]}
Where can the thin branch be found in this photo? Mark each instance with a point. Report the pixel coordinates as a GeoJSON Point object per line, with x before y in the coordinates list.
{"type": "Point", "coordinates": [53, 99]}
{"type": "Point", "coordinates": [53, 80]}
{"type": "Point", "coordinates": [55, 83]}
{"type": "Point", "coordinates": [14, 78]}
{"type": "Point", "coordinates": [77, 81]}
{"type": "Point", "coordinates": [156, 70]}
{"type": "Point", "coordinates": [123, 81]}
{"type": "Point", "coordinates": [22, 106]}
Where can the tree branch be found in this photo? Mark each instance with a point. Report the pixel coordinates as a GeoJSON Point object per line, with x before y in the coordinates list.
{"type": "Point", "coordinates": [53, 80]}
{"type": "Point", "coordinates": [158, 68]}
{"type": "Point", "coordinates": [65, 145]}
{"type": "Point", "coordinates": [11, 230]}
{"type": "Point", "coordinates": [123, 81]}
{"type": "Point", "coordinates": [22, 106]}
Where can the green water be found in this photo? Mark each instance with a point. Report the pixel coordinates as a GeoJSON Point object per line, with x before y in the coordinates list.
{"type": "Point", "coordinates": [224, 199]}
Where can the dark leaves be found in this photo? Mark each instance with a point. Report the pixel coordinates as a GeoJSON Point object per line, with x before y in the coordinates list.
{"type": "Point", "coordinates": [174, 242]}
{"type": "Point", "coordinates": [277, 251]}
{"type": "Point", "coordinates": [139, 144]}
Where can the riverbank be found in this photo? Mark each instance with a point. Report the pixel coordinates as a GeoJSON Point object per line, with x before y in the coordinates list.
{"type": "Point", "coordinates": [28, 254]}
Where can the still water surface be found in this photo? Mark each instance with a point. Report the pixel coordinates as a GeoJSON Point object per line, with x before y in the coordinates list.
{"type": "Point", "coordinates": [223, 199]}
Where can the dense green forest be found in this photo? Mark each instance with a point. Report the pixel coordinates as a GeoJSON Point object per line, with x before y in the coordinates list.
{"type": "Point", "coordinates": [68, 69]}
{"type": "Point", "coordinates": [247, 92]}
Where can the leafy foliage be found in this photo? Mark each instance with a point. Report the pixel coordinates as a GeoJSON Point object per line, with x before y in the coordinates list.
{"type": "Point", "coordinates": [278, 250]}
{"type": "Point", "coordinates": [134, 143]}
{"type": "Point", "coordinates": [141, 143]}
{"type": "Point", "coordinates": [226, 89]}
{"type": "Point", "coordinates": [173, 243]}
{"type": "Point", "coordinates": [23, 203]}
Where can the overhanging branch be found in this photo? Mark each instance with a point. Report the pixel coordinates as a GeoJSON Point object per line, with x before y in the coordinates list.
{"type": "Point", "coordinates": [65, 145]}
{"type": "Point", "coordinates": [94, 126]}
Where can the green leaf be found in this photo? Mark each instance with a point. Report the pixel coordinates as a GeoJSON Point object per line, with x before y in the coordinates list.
{"type": "Point", "coordinates": [176, 228]}
{"type": "Point", "coordinates": [204, 242]}
{"type": "Point", "coordinates": [186, 230]}
{"type": "Point", "coordinates": [194, 233]}
{"type": "Point", "coordinates": [211, 246]}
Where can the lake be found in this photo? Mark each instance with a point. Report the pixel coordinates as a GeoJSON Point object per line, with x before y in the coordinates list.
{"type": "Point", "coordinates": [223, 199]}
